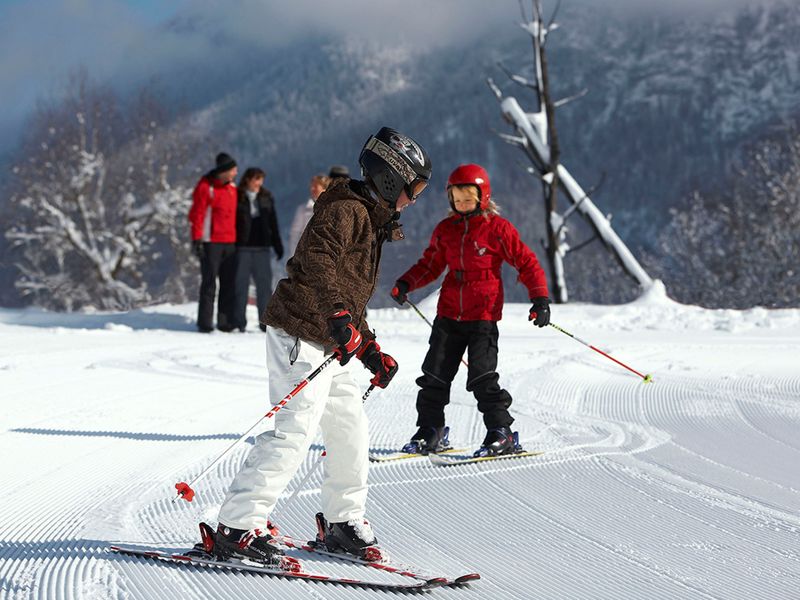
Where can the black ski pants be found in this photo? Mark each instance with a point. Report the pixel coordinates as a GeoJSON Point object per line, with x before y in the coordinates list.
{"type": "Point", "coordinates": [448, 341]}
{"type": "Point", "coordinates": [219, 261]}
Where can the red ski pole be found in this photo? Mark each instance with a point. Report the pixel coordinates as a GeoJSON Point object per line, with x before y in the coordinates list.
{"type": "Point", "coordinates": [185, 490]}
{"type": "Point", "coordinates": [645, 378]}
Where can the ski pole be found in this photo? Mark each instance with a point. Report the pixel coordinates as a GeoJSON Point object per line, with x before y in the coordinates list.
{"type": "Point", "coordinates": [645, 378]}
{"type": "Point", "coordinates": [185, 490]}
{"type": "Point", "coordinates": [414, 306]}
{"type": "Point", "coordinates": [318, 462]}
{"type": "Point", "coordinates": [419, 312]}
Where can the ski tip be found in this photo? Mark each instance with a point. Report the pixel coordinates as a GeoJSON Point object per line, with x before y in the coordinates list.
{"type": "Point", "coordinates": [467, 578]}
{"type": "Point", "coordinates": [436, 582]}
{"type": "Point", "coordinates": [184, 491]}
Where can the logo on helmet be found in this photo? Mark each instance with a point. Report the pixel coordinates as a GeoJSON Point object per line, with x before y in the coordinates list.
{"type": "Point", "coordinates": [406, 147]}
{"type": "Point", "coordinates": [393, 157]}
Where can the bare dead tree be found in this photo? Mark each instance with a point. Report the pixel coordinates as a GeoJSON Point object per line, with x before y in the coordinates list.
{"type": "Point", "coordinates": [536, 135]}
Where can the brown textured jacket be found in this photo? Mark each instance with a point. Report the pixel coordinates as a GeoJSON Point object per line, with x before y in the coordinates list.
{"type": "Point", "coordinates": [335, 262]}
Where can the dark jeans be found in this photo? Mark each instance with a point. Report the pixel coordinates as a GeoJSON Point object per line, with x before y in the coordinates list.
{"type": "Point", "coordinates": [448, 341]}
{"type": "Point", "coordinates": [218, 261]}
{"type": "Point", "coordinates": [251, 262]}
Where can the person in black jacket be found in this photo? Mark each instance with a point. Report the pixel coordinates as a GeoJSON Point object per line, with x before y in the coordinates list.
{"type": "Point", "coordinates": [256, 233]}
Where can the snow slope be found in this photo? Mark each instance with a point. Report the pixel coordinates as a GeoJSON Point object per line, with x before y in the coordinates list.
{"type": "Point", "coordinates": [686, 488]}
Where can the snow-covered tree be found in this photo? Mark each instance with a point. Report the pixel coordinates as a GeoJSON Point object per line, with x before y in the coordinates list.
{"type": "Point", "coordinates": [737, 246]}
{"type": "Point", "coordinates": [99, 202]}
{"type": "Point", "coordinates": [535, 134]}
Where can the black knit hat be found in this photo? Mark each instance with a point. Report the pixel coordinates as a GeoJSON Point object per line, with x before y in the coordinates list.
{"type": "Point", "coordinates": [339, 171]}
{"type": "Point", "coordinates": [225, 162]}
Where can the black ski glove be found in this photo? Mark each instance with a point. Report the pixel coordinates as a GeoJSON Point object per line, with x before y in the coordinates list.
{"type": "Point", "coordinates": [198, 249]}
{"type": "Point", "coordinates": [347, 338]}
{"type": "Point", "coordinates": [540, 311]}
{"type": "Point", "coordinates": [400, 292]}
{"type": "Point", "coordinates": [379, 363]}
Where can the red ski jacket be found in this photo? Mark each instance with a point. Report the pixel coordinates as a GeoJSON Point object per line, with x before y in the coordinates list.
{"type": "Point", "coordinates": [213, 212]}
{"type": "Point", "coordinates": [473, 250]}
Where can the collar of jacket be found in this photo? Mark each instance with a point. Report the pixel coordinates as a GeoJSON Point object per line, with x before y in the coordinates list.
{"type": "Point", "coordinates": [263, 195]}
{"type": "Point", "coordinates": [216, 183]}
{"type": "Point", "coordinates": [351, 189]}
{"type": "Point", "coordinates": [465, 217]}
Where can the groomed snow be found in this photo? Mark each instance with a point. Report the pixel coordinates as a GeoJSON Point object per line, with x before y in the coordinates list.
{"type": "Point", "coordinates": [685, 488]}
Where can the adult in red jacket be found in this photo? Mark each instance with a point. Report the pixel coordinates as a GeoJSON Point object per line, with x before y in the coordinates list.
{"type": "Point", "coordinates": [471, 244]}
{"type": "Point", "coordinates": [213, 220]}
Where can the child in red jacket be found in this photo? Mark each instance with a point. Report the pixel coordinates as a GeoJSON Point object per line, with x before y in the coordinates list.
{"type": "Point", "coordinates": [471, 243]}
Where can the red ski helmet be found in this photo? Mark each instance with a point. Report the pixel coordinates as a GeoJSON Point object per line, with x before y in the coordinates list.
{"type": "Point", "coordinates": [476, 175]}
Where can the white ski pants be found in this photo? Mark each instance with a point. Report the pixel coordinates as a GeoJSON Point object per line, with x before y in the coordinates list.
{"type": "Point", "coordinates": [332, 402]}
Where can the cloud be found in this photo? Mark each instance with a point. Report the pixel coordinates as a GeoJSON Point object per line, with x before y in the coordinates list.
{"type": "Point", "coordinates": [41, 41]}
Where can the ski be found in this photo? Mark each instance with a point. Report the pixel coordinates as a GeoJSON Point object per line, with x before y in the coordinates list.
{"type": "Point", "coordinates": [443, 447]}
{"type": "Point", "coordinates": [382, 565]}
{"type": "Point", "coordinates": [392, 456]}
{"type": "Point", "coordinates": [297, 570]}
{"type": "Point", "coordinates": [466, 459]}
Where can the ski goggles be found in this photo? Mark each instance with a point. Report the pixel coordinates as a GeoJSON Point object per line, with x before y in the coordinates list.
{"type": "Point", "coordinates": [415, 188]}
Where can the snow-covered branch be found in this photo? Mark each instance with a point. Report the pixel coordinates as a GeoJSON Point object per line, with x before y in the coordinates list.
{"type": "Point", "coordinates": [98, 204]}
{"type": "Point", "coordinates": [536, 136]}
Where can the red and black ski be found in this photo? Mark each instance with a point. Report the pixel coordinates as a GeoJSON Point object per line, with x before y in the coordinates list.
{"type": "Point", "coordinates": [292, 569]}
{"type": "Point", "coordinates": [381, 563]}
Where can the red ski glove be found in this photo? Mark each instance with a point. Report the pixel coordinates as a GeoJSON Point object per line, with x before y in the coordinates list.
{"type": "Point", "coordinates": [347, 338]}
{"type": "Point", "coordinates": [379, 364]}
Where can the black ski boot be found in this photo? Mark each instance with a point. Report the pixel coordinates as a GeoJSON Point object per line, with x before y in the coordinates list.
{"type": "Point", "coordinates": [499, 441]}
{"type": "Point", "coordinates": [350, 537]}
{"type": "Point", "coordinates": [253, 544]}
{"type": "Point", "coordinates": [428, 439]}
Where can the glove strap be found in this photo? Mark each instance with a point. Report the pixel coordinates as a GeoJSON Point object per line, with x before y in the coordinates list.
{"type": "Point", "coordinates": [341, 313]}
{"type": "Point", "coordinates": [355, 339]}
{"type": "Point", "coordinates": [363, 349]}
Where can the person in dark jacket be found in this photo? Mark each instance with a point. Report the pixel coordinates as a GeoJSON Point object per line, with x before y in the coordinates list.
{"type": "Point", "coordinates": [256, 232]}
{"type": "Point", "coordinates": [317, 313]}
{"type": "Point", "coordinates": [213, 228]}
{"type": "Point", "coordinates": [472, 244]}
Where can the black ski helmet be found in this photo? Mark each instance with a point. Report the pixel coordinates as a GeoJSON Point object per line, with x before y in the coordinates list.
{"type": "Point", "coordinates": [393, 162]}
